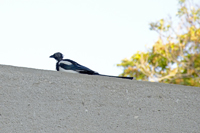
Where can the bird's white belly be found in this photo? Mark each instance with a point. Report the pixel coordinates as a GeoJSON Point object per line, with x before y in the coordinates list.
{"type": "Point", "coordinates": [69, 71]}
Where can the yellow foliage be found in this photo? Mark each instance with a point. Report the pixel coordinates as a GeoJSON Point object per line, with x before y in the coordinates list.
{"type": "Point", "coordinates": [174, 58]}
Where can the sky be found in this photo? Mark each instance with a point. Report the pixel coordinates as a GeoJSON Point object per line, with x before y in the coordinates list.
{"type": "Point", "coordinates": [95, 33]}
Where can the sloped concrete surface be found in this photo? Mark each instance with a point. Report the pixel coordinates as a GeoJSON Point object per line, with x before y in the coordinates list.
{"type": "Point", "coordinates": [40, 101]}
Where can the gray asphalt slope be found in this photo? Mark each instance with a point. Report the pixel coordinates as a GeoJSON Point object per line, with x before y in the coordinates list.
{"type": "Point", "coordinates": [37, 101]}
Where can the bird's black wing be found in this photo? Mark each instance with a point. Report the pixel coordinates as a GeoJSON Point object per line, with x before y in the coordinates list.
{"type": "Point", "coordinates": [68, 64]}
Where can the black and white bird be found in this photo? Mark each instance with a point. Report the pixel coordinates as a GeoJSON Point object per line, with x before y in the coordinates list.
{"type": "Point", "coordinates": [71, 66]}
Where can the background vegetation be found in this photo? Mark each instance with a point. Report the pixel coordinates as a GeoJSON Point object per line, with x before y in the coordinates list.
{"type": "Point", "coordinates": [175, 56]}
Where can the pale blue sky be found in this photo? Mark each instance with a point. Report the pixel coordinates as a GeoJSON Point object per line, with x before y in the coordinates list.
{"type": "Point", "coordinates": [96, 33]}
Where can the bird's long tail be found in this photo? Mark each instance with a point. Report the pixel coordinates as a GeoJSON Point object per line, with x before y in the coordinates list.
{"type": "Point", "coordinates": [131, 78]}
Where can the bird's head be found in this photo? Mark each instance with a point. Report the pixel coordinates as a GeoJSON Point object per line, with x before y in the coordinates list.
{"type": "Point", "coordinates": [58, 56]}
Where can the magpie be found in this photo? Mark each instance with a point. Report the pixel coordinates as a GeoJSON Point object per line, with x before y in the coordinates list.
{"type": "Point", "coordinates": [71, 66]}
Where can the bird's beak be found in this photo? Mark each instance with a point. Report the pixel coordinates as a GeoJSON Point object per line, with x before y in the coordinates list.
{"type": "Point", "coordinates": [52, 56]}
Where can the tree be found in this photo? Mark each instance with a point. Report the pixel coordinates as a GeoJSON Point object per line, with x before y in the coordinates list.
{"type": "Point", "coordinates": [175, 56]}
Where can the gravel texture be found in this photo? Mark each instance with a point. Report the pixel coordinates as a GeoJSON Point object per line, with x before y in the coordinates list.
{"type": "Point", "coordinates": [41, 101]}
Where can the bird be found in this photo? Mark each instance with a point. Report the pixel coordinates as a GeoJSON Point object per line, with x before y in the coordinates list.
{"type": "Point", "coordinates": [71, 66]}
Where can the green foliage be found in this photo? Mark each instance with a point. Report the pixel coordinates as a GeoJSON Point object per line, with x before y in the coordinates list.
{"type": "Point", "coordinates": [175, 56]}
